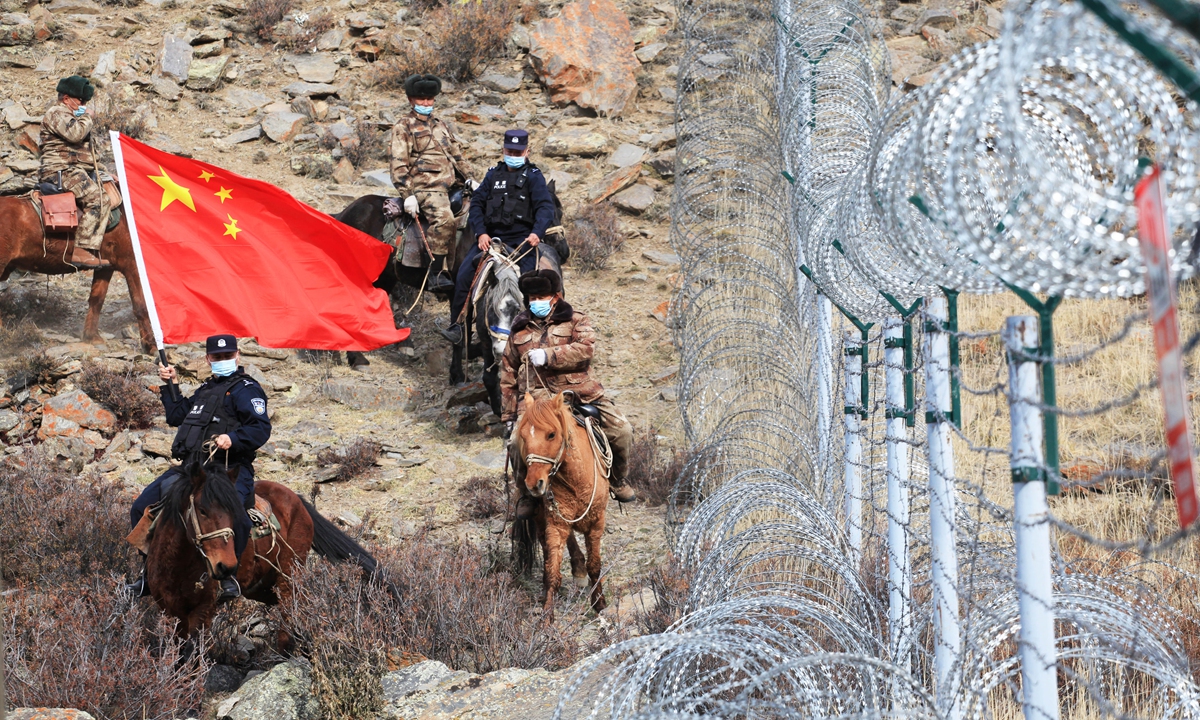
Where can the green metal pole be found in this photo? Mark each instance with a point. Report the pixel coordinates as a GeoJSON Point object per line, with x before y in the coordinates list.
{"type": "Point", "coordinates": [952, 329]}
{"type": "Point", "coordinates": [1045, 311]}
{"type": "Point", "coordinates": [1111, 14]}
{"type": "Point", "coordinates": [1182, 14]}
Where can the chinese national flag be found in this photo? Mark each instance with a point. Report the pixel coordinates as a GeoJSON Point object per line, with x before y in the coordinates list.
{"type": "Point", "coordinates": [223, 253]}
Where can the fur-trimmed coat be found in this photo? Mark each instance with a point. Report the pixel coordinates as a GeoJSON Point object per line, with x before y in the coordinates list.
{"type": "Point", "coordinates": [569, 341]}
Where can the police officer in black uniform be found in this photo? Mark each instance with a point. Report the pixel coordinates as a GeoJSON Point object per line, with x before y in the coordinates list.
{"type": "Point", "coordinates": [512, 205]}
{"type": "Point", "coordinates": [230, 409]}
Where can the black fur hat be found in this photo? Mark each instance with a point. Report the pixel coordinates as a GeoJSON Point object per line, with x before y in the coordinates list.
{"type": "Point", "coordinates": [422, 87]}
{"type": "Point", "coordinates": [539, 283]}
{"type": "Point", "coordinates": [76, 86]}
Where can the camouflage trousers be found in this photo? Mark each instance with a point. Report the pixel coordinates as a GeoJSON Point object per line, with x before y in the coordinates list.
{"type": "Point", "coordinates": [443, 226]}
{"type": "Point", "coordinates": [92, 202]}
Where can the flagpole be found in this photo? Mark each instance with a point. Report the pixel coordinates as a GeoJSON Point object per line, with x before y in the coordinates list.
{"type": "Point", "coordinates": [143, 278]}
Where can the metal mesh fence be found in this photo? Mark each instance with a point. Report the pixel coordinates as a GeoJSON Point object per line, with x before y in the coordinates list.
{"type": "Point", "coordinates": [874, 419]}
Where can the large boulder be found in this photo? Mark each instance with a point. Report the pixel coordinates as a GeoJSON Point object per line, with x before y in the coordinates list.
{"type": "Point", "coordinates": [582, 141]}
{"type": "Point", "coordinates": [283, 693]}
{"type": "Point", "coordinates": [585, 56]}
{"type": "Point", "coordinates": [206, 74]}
{"type": "Point", "coordinates": [175, 58]}
{"type": "Point", "coordinates": [67, 413]}
{"type": "Point", "coordinates": [42, 713]}
{"type": "Point", "coordinates": [16, 29]}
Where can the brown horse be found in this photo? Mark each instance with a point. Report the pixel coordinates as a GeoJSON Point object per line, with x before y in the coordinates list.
{"type": "Point", "coordinates": [22, 247]}
{"type": "Point", "coordinates": [564, 469]}
{"type": "Point", "coordinates": [191, 548]}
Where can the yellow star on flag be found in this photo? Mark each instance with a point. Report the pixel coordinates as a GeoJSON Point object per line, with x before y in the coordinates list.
{"type": "Point", "coordinates": [205, 175]}
{"type": "Point", "coordinates": [172, 191]}
{"type": "Point", "coordinates": [224, 194]}
{"type": "Point", "coordinates": [231, 229]}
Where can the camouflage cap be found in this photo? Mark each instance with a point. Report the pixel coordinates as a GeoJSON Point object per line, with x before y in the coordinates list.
{"type": "Point", "coordinates": [422, 87]}
{"type": "Point", "coordinates": [76, 86]}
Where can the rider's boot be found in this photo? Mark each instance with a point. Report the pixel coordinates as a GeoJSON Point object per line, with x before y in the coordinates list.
{"type": "Point", "coordinates": [230, 590]}
{"type": "Point", "coordinates": [87, 260]}
{"type": "Point", "coordinates": [622, 492]}
{"type": "Point", "coordinates": [139, 588]}
{"type": "Point", "coordinates": [440, 281]}
{"type": "Point", "coordinates": [454, 333]}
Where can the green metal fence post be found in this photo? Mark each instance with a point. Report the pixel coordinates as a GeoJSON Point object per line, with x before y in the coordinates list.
{"type": "Point", "coordinates": [1045, 311]}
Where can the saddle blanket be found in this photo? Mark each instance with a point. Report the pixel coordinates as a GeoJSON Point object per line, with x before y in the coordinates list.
{"type": "Point", "coordinates": [262, 519]}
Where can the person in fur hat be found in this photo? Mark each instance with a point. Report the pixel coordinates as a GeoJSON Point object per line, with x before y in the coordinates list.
{"type": "Point", "coordinates": [557, 342]}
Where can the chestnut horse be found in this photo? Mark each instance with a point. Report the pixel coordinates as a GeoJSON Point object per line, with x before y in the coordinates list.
{"type": "Point", "coordinates": [563, 467]}
{"type": "Point", "coordinates": [22, 247]}
{"type": "Point", "coordinates": [191, 548]}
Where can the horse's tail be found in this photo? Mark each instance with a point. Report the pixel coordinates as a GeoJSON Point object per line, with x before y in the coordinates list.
{"type": "Point", "coordinates": [335, 545]}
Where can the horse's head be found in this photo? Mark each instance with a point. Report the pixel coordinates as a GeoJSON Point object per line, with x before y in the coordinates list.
{"type": "Point", "coordinates": [205, 502]}
{"type": "Point", "coordinates": [543, 438]}
{"type": "Point", "coordinates": [504, 304]}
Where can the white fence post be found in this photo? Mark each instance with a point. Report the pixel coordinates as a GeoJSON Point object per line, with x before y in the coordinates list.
{"type": "Point", "coordinates": [942, 503]}
{"type": "Point", "coordinates": [899, 567]}
{"type": "Point", "coordinates": [852, 481]}
{"type": "Point", "coordinates": [825, 382]}
{"type": "Point", "coordinates": [1035, 589]}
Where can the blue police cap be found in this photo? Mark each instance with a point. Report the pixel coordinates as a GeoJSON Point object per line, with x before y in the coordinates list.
{"type": "Point", "coordinates": [220, 344]}
{"type": "Point", "coordinates": [516, 139]}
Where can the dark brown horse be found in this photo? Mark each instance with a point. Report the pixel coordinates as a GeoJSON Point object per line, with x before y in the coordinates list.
{"type": "Point", "coordinates": [191, 548]}
{"type": "Point", "coordinates": [22, 248]}
{"type": "Point", "coordinates": [563, 468]}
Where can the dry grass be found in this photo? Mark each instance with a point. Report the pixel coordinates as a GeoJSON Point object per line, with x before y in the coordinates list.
{"type": "Point", "coordinates": [654, 471]}
{"type": "Point", "coordinates": [595, 234]}
{"type": "Point", "coordinates": [306, 40]}
{"type": "Point", "coordinates": [483, 497]}
{"type": "Point", "coordinates": [459, 38]}
{"type": "Point", "coordinates": [353, 460]}
{"type": "Point", "coordinates": [263, 15]}
{"type": "Point", "coordinates": [122, 393]}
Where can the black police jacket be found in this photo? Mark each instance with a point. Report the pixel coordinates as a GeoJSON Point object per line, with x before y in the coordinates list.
{"type": "Point", "coordinates": [511, 204]}
{"type": "Point", "coordinates": [241, 414]}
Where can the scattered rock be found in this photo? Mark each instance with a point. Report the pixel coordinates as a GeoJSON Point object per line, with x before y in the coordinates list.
{"type": "Point", "coordinates": [663, 163]}
{"type": "Point", "coordinates": [668, 94]}
{"type": "Point", "coordinates": [665, 375]}
{"type": "Point", "coordinates": [283, 126]}
{"type": "Point", "coordinates": [942, 18]}
{"type": "Point", "coordinates": [75, 7]}
{"type": "Point", "coordinates": [157, 444]}
{"type": "Point", "coordinates": [647, 53]}
{"type": "Point", "coordinates": [165, 87]}
{"type": "Point", "coordinates": [17, 118]}
{"type": "Point", "coordinates": [282, 693]}
{"type": "Point", "coordinates": [579, 141]}
{"type": "Point", "coordinates": [668, 259]}
{"type": "Point", "coordinates": [310, 89]}
{"type": "Point", "coordinates": [211, 35]}
{"type": "Point", "coordinates": [245, 101]}
{"type": "Point", "coordinates": [318, 68]}
{"type": "Point", "coordinates": [206, 74]}
{"type": "Point", "coordinates": [223, 679]}
{"type": "Point", "coordinates": [251, 133]}
{"type": "Point", "coordinates": [413, 679]}
{"type": "Point", "coordinates": [314, 166]}
{"type": "Point", "coordinates": [48, 714]}
{"type": "Point", "coordinates": [490, 459]}
{"type": "Point", "coordinates": [585, 56]}
{"type": "Point", "coordinates": [361, 395]}
{"type": "Point", "coordinates": [379, 178]}
{"type": "Point", "coordinates": [175, 58]}
{"type": "Point", "coordinates": [635, 200]}
{"type": "Point", "coordinates": [348, 519]}
{"type": "Point", "coordinates": [626, 155]}
{"type": "Point", "coordinates": [16, 29]}
{"type": "Point", "coordinates": [669, 394]}
{"type": "Point", "coordinates": [207, 50]}
{"type": "Point", "coordinates": [907, 58]}
{"type": "Point", "coordinates": [66, 413]}
{"type": "Point", "coordinates": [344, 172]}
{"type": "Point", "coordinates": [363, 21]}
{"type": "Point", "coordinates": [614, 182]}
{"type": "Point", "coordinates": [501, 83]}
{"type": "Point", "coordinates": [8, 420]}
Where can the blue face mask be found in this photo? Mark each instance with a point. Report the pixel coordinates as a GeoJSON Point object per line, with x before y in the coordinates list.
{"type": "Point", "coordinates": [541, 308]}
{"type": "Point", "coordinates": [79, 111]}
{"type": "Point", "coordinates": [221, 368]}
{"type": "Point", "coordinates": [423, 109]}
{"type": "Point", "coordinates": [514, 162]}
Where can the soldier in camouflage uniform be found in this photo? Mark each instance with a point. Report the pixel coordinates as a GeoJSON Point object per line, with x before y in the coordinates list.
{"type": "Point", "coordinates": [67, 161]}
{"type": "Point", "coordinates": [426, 161]}
{"type": "Point", "coordinates": [557, 343]}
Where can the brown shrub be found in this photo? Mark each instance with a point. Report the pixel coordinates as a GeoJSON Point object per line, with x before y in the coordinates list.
{"type": "Point", "coordinates": [121, 392]}
{"type": "Point", "coordinates": [56, 526]}
{"type": "Point", "coordinates": [312, 29]}
{"type": "Point", "coordinates": [371, 144]}
{"type": "Point", "coordinates": [263, 15]}
{"type": "Point", "coordinates": [118, 116]}
{"type": "Point", "coordinates": [355, 459]}
{"type": "Point", "coordinates": [654, 473]}
{"type": "Point", "coordinates": [595, 234]}
{"type": "Point", "coordinates": [483, 498]}
{"type": "Point", "coordinates": [454, 607]}
{"type": "Point", "coordinates": [39, 305]}
{"type": "Point", "coordinates": [22, 336]}
{"type": "Point", "coordinates": [87, 645]}
{"type": "Point", "coordinates": [670, 585]}
{"type": "Point", "coordinates": [25, 371]}
{"type": "Point", "coordinates": [459, 38]}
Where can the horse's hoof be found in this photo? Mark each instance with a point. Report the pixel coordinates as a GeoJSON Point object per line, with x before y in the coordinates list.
{"type": "Point", "coordinates": [580, 581]}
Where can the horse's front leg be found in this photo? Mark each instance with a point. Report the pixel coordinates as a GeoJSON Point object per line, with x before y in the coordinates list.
{"type": "Point", "coordinates": [552, 550]}
{"type": "Point", "coordinates": [91, 324]}
{"type": "Point", "coordinates": [578, 563]}
{"type": "Point", "coordinates": [593, 537]}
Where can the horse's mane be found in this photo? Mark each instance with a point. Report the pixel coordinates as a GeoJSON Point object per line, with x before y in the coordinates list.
{"type": "Point", "coordinates": [546, 412]}
{"type": "Point", "coordinates": [216, 490]}
{"type": "Point", "coordinates": [507, 282]}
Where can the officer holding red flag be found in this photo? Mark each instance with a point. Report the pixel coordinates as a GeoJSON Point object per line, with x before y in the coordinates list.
{"type": "Point", "coordinates": [230, 410]}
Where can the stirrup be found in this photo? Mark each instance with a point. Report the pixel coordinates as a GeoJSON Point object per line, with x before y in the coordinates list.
{"type": "Point", "coordinates": [622, 493]}
{"type": "Point", "coordinates": [138, 588]}
{"type": "Point", "coordinates": [230, 590]}
{"type": "Point", "coordinates": [453, 334]}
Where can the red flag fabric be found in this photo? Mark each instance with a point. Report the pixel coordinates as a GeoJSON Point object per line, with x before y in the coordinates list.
{"type": "Point", "coordinates": [222, 253]}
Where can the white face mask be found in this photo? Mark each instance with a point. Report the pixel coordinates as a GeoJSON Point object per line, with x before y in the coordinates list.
{"type": "Point", "coordinates": [221, 368]}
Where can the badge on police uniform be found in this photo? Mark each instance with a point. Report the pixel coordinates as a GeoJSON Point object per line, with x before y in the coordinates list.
{"type": "Point", "coordinates": [260, 405]}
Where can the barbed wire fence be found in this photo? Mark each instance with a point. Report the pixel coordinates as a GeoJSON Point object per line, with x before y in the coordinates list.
{"type": "Point", "coordinates": [907, 322]}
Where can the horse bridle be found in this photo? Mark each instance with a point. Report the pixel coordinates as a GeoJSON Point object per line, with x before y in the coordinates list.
{"type": "Point", "coordinates": [199, 538]}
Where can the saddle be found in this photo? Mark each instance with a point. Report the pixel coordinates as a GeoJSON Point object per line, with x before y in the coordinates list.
{"type": "Point", "coordinates": [262, 523]}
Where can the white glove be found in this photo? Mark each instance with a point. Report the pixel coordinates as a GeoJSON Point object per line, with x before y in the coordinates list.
{"type": "Point", "coordinates": [537, 357]}
{"type": "Point", "coordinates": [410, 205]}
{"type": "Point", "coordinates": [473, 185]}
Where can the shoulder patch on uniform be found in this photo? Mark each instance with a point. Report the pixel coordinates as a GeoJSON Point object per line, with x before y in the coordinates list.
{"type": "Point", "coordinates": [260, 405]}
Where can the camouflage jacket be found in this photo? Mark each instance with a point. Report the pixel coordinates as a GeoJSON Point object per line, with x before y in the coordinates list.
{"type": "Point", "coordinates": [568, 339]}
{"type": "Point", "coordinates": [425, 155]}
{"type": "Point", "coordinates": [65, 140]}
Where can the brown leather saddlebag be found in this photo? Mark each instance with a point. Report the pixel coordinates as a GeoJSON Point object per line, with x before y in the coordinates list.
{"type": "Point", "coordinates": [59, 212]}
